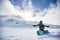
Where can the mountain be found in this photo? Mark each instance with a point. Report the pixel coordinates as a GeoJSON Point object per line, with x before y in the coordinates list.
{"type": "Point", "coordinates": [17, 21]}
{"type": "Point", "coordinates": [12, 20]}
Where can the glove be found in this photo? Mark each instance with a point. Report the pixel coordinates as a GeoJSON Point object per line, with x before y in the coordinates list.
{"type": "Point", "coordinates": [34, 25]}
{"type": "Point", "coordinates": [47, 26]}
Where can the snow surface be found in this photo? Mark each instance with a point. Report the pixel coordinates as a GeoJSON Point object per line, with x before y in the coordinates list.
{"type": "Point", "coordinates": [21, 33]}
{"type": "Point", "coordinates": [15, 28]}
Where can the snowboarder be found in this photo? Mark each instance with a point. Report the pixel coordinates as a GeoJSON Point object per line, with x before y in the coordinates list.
{"type": "Point", "coordinates": [41, 26]}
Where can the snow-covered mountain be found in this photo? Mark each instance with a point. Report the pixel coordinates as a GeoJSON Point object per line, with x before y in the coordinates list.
{"type": "Point", "coordinates": [17, 21]}
{"type": "Point", "coordinates": [15, 28]}
{"type": "Point", "coordinates": [12, 20]}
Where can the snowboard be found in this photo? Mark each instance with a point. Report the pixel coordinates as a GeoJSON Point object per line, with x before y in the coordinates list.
{"type": "Point", "coordinates": [40, 33]}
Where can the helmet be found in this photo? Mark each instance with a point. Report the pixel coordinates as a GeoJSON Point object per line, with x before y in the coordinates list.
{"type": "Point", "coordinates": [41, 22]}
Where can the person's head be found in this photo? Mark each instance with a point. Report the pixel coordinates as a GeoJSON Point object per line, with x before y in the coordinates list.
{"type": "Point", "coordinates": [41, 22]}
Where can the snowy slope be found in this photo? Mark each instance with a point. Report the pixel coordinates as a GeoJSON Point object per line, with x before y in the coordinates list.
{"type": "Point", "coordinates": [21, 33]}
{"type": "Point", "coordinates": [12, 21]}
{"type": "Point", "coordinates": [15, 28]}
{"type": "Point", "coordinates": [17, 21]}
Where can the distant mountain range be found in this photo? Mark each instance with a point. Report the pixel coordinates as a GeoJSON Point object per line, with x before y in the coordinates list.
{"type": "Point", "coordinates": [17, 21]}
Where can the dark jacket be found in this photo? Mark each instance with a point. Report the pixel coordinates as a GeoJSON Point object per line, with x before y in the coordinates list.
{"type": "Point", "coordinates": [41, 26]}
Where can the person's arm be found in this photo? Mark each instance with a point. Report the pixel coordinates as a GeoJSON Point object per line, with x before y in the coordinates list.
{"type": "Point", "coordinates": [46, 26]}
{"type": "Point", "coordinates": [36, 25]}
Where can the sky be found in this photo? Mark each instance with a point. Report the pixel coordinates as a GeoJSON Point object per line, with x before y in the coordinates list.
{"type": "Point", "coordinates": [40, 4]}
{"type": "Point", "coordinates": [33, 10]}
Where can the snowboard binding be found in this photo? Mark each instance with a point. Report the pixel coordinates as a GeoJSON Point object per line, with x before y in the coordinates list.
{"type": "Point", "coordinates": [40, 33]}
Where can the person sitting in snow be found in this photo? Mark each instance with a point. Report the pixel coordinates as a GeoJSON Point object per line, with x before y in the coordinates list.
{"type": "Point", "coordinates": [41, 26]}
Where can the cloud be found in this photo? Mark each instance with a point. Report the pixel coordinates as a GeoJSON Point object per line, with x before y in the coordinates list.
{"type": "Point", "coordinates": [53, 14]}
{"type": "Point", "coordinates": [50, 15]}
{"type": "Point", "coordinates": [7, 8]}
